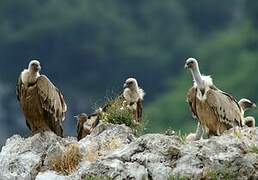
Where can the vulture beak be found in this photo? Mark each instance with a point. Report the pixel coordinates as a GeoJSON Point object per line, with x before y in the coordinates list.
{"type": "Point", "coordinates": [76, 117]}
{"type": "Point", "coordinates": [125, 85]}
{"type": "Point", "coordinates": [38, 67]}
{"type": "Point", "coordinates": [254, 105]}
{"type": "Point", "coordinates": [186, 66]}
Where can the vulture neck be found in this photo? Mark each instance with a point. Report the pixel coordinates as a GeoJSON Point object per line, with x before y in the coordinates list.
{"type": "Point", "coordinates": [31, 77]}
{"type": "Point", "coordinates": [198, 78]}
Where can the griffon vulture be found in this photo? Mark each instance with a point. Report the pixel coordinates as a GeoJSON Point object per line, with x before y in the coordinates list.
{"type": "Point", "coordinates": [216, 110]}
{"type": "Point", "coordinates": [246, 104]}
{"type": "Point", "coordinates": [249, 121]}
{"type": "Point", "coordinates": [131, 98]}
{"type": "Point", "coordinates": [42, 103]}
{"type": "Point", "coordinates": [85, 124]}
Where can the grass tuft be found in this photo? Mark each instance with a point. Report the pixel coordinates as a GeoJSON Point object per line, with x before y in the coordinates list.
{"type": "Point", "coordinates": [220, 173]}
{"type": "Point", "coordinates": [68, 161]}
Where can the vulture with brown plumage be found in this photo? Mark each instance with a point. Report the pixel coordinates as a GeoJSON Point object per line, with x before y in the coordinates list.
{"type": "Point", "coordinates": [133, 97]}
{"type": "Point", "coordinates": [43, 105]}
{"type": "Point", "coordinates": [215, 110]}
{"type": "Point", "coordinates": [86, 124]}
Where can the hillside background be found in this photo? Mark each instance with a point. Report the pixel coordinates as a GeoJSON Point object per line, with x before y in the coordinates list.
{"type": "Point", "coordinates": [88, 48]}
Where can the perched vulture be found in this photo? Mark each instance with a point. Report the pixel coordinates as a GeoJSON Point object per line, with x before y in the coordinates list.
{"type": "Point", "coordinates": [85, 124]}
{"type": "Point", "coordinates": [246, 104]}
{"type": "Point", "coordinates": [249, 121]}
{"type": "Point", "coordinates": [216, 110]}
{"type": "Point", "coordinates": [42, 103]}
{"type": "Point", "coordinates": [131, 98]}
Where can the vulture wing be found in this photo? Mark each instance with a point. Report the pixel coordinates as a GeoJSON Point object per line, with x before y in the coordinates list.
{"type": "Point", "coordinates": [80, 128]}
{"type": "Point", "coordinates": [191, 99]}
{"type": "Point", "coordinates": [225, 107]}
{"type": "Point", "coordinates": [139, 109]}
{"type": "Point", "coordinates": [19, 88]}
{"type": "Point", "coordinates": [53, 104]}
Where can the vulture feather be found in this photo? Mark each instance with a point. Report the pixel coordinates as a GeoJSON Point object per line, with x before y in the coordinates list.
{"type": "Point", "coordinates": [215, 110]}
{"type": "Point", "coordinates": [43, 105]}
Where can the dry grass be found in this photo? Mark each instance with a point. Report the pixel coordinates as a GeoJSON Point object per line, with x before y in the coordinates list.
{"type": "Point", "coordinates": [67, 162]}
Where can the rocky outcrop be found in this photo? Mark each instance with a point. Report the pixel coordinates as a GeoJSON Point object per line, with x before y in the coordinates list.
{"type": "Point", "coordinates": [113, 152]}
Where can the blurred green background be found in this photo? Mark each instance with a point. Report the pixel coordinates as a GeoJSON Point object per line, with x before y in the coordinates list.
{"type": "Point", "coordinates": [88, 48]}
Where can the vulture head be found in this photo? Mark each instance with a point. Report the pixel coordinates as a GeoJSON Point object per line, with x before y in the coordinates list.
{"type": "Point", "coordinates": [82, 117]}
{"type": "Point", "coordinates": [246, 104]}
{"type": "Point", "coordinates": [191, 63]}
{"type": "Point", "coordinates": [131, 83]}
{"type": "Point", "coordinates": [34, 66]}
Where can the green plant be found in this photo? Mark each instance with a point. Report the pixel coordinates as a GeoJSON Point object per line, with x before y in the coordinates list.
{"type": "Point", "coordinates": [182, 137]}
{"type": "Point", "coordinates": [220, 173]}
{"type": "Point", "coordinates": [116, 113]}
{"type": "Point", "coordinates": [253, 148]}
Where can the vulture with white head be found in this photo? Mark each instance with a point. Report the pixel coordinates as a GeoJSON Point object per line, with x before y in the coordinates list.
{"type": "Point", "coordinates": [133, 96]}
{"type": "Point", "coordinates": [249, 121]}
{"type": "Point", "coordinates": [246, 104]}
{"type": "Point", "coordinates": [215, 110]}
{"type": "Point", "coordinates": [43, 105]}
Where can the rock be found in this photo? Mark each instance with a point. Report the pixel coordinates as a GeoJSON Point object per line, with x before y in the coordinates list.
{"type": "Point", "coordinates": [22, 158]}
{"type": "Point", "coordinates": [112, 151]}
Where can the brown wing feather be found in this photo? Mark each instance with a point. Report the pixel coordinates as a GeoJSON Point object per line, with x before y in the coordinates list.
{"type": "Point", "coordinates": [139, 110]}
{"type": "Point", "coordinates": [191, 99]}
{"type": "Point", "coordinates": [225, 107]}
{"type": "Point", "coordinates": [80, 128]}
{"type": "Point", "coordinates": [53, 104]}
{"type": "Point", "coordinates": [18, 88]}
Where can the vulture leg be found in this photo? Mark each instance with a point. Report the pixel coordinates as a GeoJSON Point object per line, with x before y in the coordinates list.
{"type": "Point", "coordinates": [199, 132]}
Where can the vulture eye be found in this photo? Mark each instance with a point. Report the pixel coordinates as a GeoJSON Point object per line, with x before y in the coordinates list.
{"type": "Point", "coordinates": [190, 63]}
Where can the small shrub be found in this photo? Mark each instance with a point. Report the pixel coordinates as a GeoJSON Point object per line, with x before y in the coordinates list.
{"type": "Point", "coordinates": [67, 162]}
{"type": "Point", "coordinates": [116, 113]}
{"type": "Point", "coordinates": [253, 148]}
